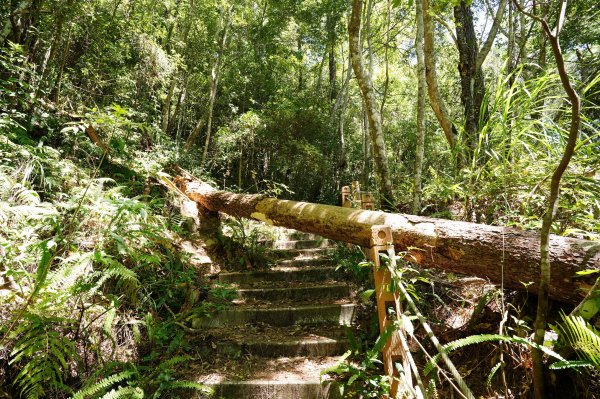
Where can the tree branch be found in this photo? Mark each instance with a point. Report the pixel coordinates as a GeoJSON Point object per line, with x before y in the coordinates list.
{"type": "Point", "coordinates": [448, 28]}
{"type": "Point", "coordinates": [485, 49]}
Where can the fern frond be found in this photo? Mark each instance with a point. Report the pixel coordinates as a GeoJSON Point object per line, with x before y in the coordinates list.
{"type": "Point", "coordinates": [108, 321]}
{"type": "Point", "coordinates": [432, 389]}
{"type": "Point", "coordinates": [44, 353]}
{"type": "Point", "coordinates": [167, 364]}
{"type": "Point", "coordinates": [582, 337]}
{"type": "Point", "coordinates": [488, 380]}
{"type": "Point", "coordinates": [103, 384]}
{"type": "Point", "coordinates": [72, 269]}
{"type": "Point", "coordinates": [116, 269]}
{"type": "Point", "coordinates": [196, 386]}
{"type": "Point", "coordinates": [478, 339]}
{"type": "Point", "coordinates": [570, 364]}
{"type": "Point", "coordinates": [25, 196]}
{"type": "Point", "coordinates": [125, 392]}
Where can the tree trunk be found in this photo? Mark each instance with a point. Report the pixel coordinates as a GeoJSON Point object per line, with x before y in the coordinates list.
{"type": "Point", "coordinates": [420, 150]}
{"type": "Point", "coordinates": [366, 147]}
{"type": "Point", "coordinates": [368, 93]}
{"type": "Point", "coordinates": [167, 104]}
{"type": "Point", "coordinates": [435, 98]}
{"type": "Point", "coordinates": [55, 95]}
{"type": "Point", "coordinates": [214, 80]}
{"type": "Point", "coordinates": [471, 76]}
{"type": "Point", "coordinates": [54, 46]}
{"type": "Point", "coordinates": [469, 248]}
{"type": "Point", "coordinates": [336, 118]}
{"type": "Point", "coordinates": [240, 165]}
{"type": "Point", "coordinates": [195, 132]}
{"type": "Point", "coordinates": [300, 65]}
{"type": "Point", "coordinates": [547, 265]}
{"type": "Point", "coordinates": [174, 120]}
{"type": "Point", "coordinates": [386, 57]}
{"type": "Point", "coordinates": [331, 25]}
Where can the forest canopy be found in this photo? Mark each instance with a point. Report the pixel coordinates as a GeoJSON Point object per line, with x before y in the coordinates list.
{"type": "Point", "coordinates": [484, 111]}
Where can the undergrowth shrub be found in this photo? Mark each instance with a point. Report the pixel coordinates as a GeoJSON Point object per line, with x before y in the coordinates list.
{"type": "Point", "coordinates": [519, 145]}
{"type": "Point", "coordinates": [242, 242]}
{"type": "Point", "coordinates": [89, 276]}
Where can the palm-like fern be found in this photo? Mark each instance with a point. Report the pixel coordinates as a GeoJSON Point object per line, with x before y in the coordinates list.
{"type": "Point", "coordinates": [478, 339]}
{"type": "Point", "coordinates": [44, 352]}
{"type": "Point", "coordinates": [583, 338]}
{"type": "Point", "coordinates": [125, 392]}
{"type": "Point", "coordinates": [103, 385]}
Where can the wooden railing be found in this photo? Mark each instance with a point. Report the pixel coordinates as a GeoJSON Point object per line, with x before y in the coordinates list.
{"type": "Point", "coordinates": [394, 323]}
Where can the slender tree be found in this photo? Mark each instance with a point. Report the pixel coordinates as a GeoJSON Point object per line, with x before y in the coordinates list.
{"type": "Point", "coordinates": [374, 117]}
{"type": "Point", "coordinates": [222, 35]}
{"type": "Point", "coordinates": [552, 35]}
{"type": "Point", "coordinates": [421, 78]}
{"type": "Point", "coordinates": [435, 98]}
{"type": "Point", "coordinates": [215, 75]}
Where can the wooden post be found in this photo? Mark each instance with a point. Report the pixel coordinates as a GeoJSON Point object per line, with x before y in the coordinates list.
{"type": "Point", "coordinates": [346, 202]}
{"type": "Point", "coordinates": [388, 308]}
{"type": "Point", "coordinates": [367, 201]}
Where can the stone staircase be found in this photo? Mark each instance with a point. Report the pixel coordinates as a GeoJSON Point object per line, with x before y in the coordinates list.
{"type": "Point", "coordinates": [287, 325]}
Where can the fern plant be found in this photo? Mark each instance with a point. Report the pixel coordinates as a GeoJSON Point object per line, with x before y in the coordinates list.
{"type": "Point", "coordinates": [363, 377]}
{"type": "Point", "coordinates": [142, 382]}
{"type": "Point", "coordinates": [103, 385]}
{"type": "Point", "coordinates": [481, 338]}
{"type": "Point", "coordinates": [40, 344]}
{"type": "Point", "coordinates": [583, 338]}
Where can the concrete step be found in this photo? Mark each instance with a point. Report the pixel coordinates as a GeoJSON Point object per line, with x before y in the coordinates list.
{"type": "Point", "coordinates": [303, 244]}
{"type": "Point", "coordinates": [298, 292]}
{"type": "Point", "coordinates": [332, 314]}
{"type": "Point", "coordinates": [274, 389]}
{"type": "Point", "coordinates": [285, 273]}
{"type": "Point", "coordinates": [316, 253]}
{"type": "Point", "coordinates": [289, 348]}
{"type": "Point", "coordinates": [272, 342]}
{"type": "Point", "coordinates": [287, 234]}
{"type": "Point", "coordinates": [282, 378]}
{"type": "Point", "coordinates": [307, 261]}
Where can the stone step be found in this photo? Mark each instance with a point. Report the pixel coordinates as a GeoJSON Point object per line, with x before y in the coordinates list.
{"type": "Point", "coordinates": [303, 244]}
{"type": "Point", "coordinates": [314, 253]}
{"type": "Point", "coordinates": [297, 235]}
{"type": "Point", "coordinates": [308, 347]}
{"type": "Point", "coordinates": [332, 314]}
{"type": "Point", "coordinates": [302, 292]}
{"type": "Point", "coordinates": [259, 378]}
{"type": "Point", "coordinates": [286, 273]}
{"type": "Point", "coordinates": [274, 389]}
{"type": "Point", "coordinates": [273, 342]}
{"type": "Point", "coordinates": [308, 261]}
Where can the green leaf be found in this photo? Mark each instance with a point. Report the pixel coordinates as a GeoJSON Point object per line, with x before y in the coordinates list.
{"type": "Point", "coordinates": [570, 364]}
{"type": "Point", "coordinates": [590, 308]}
{"type": "Point", "coordinates": [587, 272]}
{"type": "Point", "coordinates": [365, 295]}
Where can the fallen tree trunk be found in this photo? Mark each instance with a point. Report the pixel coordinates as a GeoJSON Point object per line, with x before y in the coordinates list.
{"type": "Point", "coordinates": [496, 253]}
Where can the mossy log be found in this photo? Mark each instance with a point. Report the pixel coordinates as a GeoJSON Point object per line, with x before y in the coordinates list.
{"type": "Point", "coordinates": [499, 254]}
